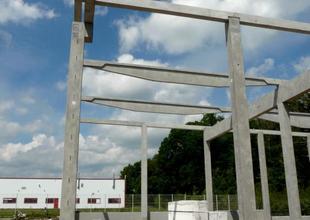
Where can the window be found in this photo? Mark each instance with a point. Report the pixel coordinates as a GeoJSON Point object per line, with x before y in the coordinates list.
{"type": "Point", "coordinates": [50, 200]}
{"type": "Point", "coordinates": [31, 200]}
{"type": "Point", "coordinates": [9, 200]}
{"type": "Point", "coordinates": [114, 200]}
{"type": "Point", "coordinates": [94, 201]}
{"type": "Point", "coordinates": [77, 200]}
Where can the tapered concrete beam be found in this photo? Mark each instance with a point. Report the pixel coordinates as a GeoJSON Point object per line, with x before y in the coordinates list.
{"type": "Point", "coordinates": [240, 123]}
{"type": "Point", "coordinates": [72, 125]}
{"type": "Point", "coordinates": [289, 163]}
{"type": "Point", "coordinates": [154, 107]}
{"type": "Point", "coordinates": [286, 92]}
{"type": "Point", "coordinates": [77, 10]}
{"type": "Point", "coordinates": [208, 14]}
{"type": "Point", "coordinates": [89, 13]}
{"type": "Point", "coordinates": [169, 75]}
{"type": "Point", "coordinates": [176, 126]}
{"type": "Point", "coordinates": [300, 120]}
{"type": "Point", "coordinates": [264, 175]}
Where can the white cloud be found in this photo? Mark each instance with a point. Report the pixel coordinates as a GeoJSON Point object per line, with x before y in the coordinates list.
{"type": "Point", "coordinates": [5, 38]}
{"type": "Point", "coordinates": [6, 106]}
{"type": "Point", "coordinates": [184, 35]}
{"type": "Point", "coordinates": [101, 11]}
{"type": "Point", "coordinates": [61, 86]}
{"type": "Point", "coordinates": [10, 150]}
{"type": "Point", "coordinates": [303, 64]}
{"type": "Point", "coordinates": [69, 2]}
{"type": "Point", "coordinates": [18, 11]}
{"type": "Point", "coordinates": [261, 69]}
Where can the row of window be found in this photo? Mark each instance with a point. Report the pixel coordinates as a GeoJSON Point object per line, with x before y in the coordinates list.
{"type": "Point", "coordinates": [52, 200]}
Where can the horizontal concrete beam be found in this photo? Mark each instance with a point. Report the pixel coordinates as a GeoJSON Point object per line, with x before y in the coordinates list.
{"type": "Point", "coordinates": [168, 75]}
{"type": "Point", "coordinates": [284, 93]}
{"type": "Point", "coordinates": [299, 120]}
{"type": "Point", "coordinates": [155, 107]}
{"type": "Point", "coordinates": [89, 13]}
{"type": "Point", "coordinates": [176, 126]}
{"type": "Point", "coordinates": [208, 14]}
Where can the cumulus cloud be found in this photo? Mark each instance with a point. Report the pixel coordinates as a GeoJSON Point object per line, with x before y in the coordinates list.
{"type": "Point", "coordinates": [19, 11]}
{"type": "Point", "coordinates": [303, 64]}
{"type": "Point", "coordinates": [185, 35]}
{"type": "Point", "coordinates": [61, 86]}
{"type": "Point", "coordinates": [261, 69]}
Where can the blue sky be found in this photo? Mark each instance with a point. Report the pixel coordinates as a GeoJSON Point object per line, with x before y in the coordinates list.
{"type": "Point", "coordinates": [34, 51]}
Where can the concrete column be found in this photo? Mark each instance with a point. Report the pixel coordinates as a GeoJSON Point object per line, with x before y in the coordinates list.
{"type": "Point", "coordinates": [240, 123]}
{"type": "Point", "coordinates": [308, 144]}
{"type": "Point", "coordinates": [144, 204]}
{"type": "Point", "coordinates": [72, 126]}
{"type": "Point", "coordinates": [208, 171]}
{"type": "Point", "coordinates": [263, 175]}
{"type": "Point", "coordinates": [289, 163]}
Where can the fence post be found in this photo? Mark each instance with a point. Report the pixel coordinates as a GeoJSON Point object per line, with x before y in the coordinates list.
{"type": "Point", "coordinates": [132, 202]}
{"type": "Point", "coordinates": [159, 202]}
{"type": "Point", "coordinates": [185, 196]}
{"type": "Point", "coordinates": [228, 201]}
{"type": "Point", "coordinates": [171, 197]}
{"type": "Point", "coordinates": [217, 202]}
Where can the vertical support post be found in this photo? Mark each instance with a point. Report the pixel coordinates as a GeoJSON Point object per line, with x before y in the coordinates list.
{"type": "Point", "coordinates": [228, 201]}
{"type": "Point", "coordinates": [144, 202]}
{"type": "Point", "coordinates": [159, 205]}
{"type": "Point", "coordinates": [263, 175]}
{"type": "Point", "coordinates": [240, 123]}
{"type": "Point", "coordinates": [289, 163]}
{"type": "Point", "coordinates": [217, 202]}
{"type": "Point", "coordinates": [72, 126]}
{"type": "Point", "coordinates": [208, 171]}
{"type": "Point", "coordinates": [308, 144]}
{"type": "Point", "coordinates": [132, 202]}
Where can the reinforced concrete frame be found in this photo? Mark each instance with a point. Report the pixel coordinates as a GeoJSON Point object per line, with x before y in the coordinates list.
{"type": "Point", "coordinates": [238, 122]}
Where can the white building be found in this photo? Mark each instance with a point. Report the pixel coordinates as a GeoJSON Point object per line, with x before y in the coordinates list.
{"type": "Point", "coordinates": [38, 193]}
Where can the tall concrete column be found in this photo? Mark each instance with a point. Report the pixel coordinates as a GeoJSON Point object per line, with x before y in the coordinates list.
{"type": "Point", "coordinates": [289, 163]}
{"type": "Point", "coordinates": [263, 175]}
{"type": "Point", "coordinates": [240, 123]}
{"type": "Point", "coordinates": [308, 145]}
{"type": "Point", "coordinates": [144, 204]}
{"type": "Point", "coordinates": [72, 126]}
{"type": "Point", "coordinates": [208, 171]}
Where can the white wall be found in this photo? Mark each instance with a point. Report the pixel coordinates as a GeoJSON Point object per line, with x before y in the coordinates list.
{"type": "Point", "coordinates": [22, 188]}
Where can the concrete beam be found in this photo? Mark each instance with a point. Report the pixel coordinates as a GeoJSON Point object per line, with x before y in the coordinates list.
{"type": "Point", "coordinates": [169, 75]}
{"type": "Point", "coordinates": [207, 14]}
{"type": "Point", "coordinates": [177, 126]}
{"type": "Point", "coordinates": [72, 125]}
{"type": "Point", "coordinates": [308, 145]}
{"type": "Point", "coordinates": [300, 120]}
{"type": "Point", "coordinates": [78, 10]}
{"type": "Point", "coordinates": [89, 13]}
{"type": "Point", "coordinates": [285, 92]}
{"type": "Point", "coordinates": [154, 107]}
{"type": "Point", "coordinates": [144, 191]}
{"type": "Point", "coordinates": [264, 175]}
{"type": "Point", "coordinates": [240, 123]}
{"type": "Point", "coordinates": [208, 171]}
{"type": "Point", "coordinates": [289, 163]}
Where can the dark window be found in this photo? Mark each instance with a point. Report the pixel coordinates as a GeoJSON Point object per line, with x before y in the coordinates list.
{"type": "Point", "coordinates": [31, 200]}
{"type": "Point", "coordinates": [9, 200]}
{"type": "Point", "coordinates": [77, 200]}
{"type": "Point", "coordinates": [50, 200]}
{"type": "Point", "coordinates": [94, 201]}
{"type": "Point", "coordinates": [114, 200]}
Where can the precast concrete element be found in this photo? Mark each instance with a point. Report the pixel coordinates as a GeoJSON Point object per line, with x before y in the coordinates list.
{"type": "Point", "coordinates": [263, 175]}
{"type": "Point", "coordinates": [208, 171]}
{"type": "Point", "coordinates": [308, 145]}
{"type": "Point", "coordinates": [72, 126]}
{"type": "Point", "coordinates": [155, 107]}
{"type": "Point", "coordinates": [289, 163]}
{"type": "Point", "coordinates": [208, 14]}
{"type": "Point", "coordinates": [240, 123]}
{"type": "Point", "coordinates": [168, 75]}
{"type": "Point", "coordinates": [144, 194]}
{"type": "Point", "coordinates": [300, 120]}
{"type": "Point", "coordinates": [120, 216]}
{"type": "Point", "coordinates": [284, 93]}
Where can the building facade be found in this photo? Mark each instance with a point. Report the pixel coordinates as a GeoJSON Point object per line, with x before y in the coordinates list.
{"type": "Point", "coordinates": [40, 193]}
